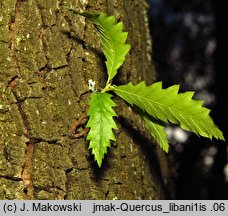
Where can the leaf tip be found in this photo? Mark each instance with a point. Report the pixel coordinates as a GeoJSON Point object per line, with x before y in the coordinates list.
{"type": "Point", "coordinates": [99, 162]}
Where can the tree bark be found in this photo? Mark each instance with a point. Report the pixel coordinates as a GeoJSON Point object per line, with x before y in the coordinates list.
{"type": "Point", "coordinates": [47, 56]}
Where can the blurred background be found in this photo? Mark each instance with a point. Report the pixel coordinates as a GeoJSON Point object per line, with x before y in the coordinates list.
{"type": "Point", "coordinates": [188, 49]}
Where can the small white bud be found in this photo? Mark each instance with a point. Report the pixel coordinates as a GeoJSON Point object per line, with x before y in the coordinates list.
{"type": "Point", "coordinates": [91, 84]}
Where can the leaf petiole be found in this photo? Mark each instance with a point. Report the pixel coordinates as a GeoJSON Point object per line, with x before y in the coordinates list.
{"type": "Point", "coordinates": [107, 88]}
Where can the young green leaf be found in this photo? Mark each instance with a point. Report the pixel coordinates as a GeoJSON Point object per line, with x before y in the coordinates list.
{"type": "Point", "coordinates": [113, 40]}
{"type": "Point", "coordinates": [155, 127]}
{"type": "Point", "coordinates": [157, 131]}
{"type": "Point", "coordinates": [167, 105]}
{"type": "Point", "coordinates": [101, 124]}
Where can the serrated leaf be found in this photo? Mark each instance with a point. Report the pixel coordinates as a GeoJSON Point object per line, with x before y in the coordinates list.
{"type": "Point", "coordinates": [155, 127]}
{"type": "Point", "coordinates": [157, 131]}
{"type": "Point", "coordinates": [170, 106]}
{"type": "Point", "coordinates": [113, 40]}
{"type": "Point", "coordinates": [101, 124]}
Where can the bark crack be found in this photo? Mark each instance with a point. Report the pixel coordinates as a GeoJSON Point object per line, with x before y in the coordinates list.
{"type": "Point", "coordinates": [26, 172]}
{"type": "Point", "coordinates": [13, 31]}
{"type": "Point", "coordinates": [41, 37]}
{"type": "Point", "coordinates": [26, 168]}
{"type": "Point", "coordinates": [10, 178]}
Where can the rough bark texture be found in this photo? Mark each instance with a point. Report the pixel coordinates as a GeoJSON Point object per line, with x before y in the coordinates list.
{"type": "Point", "coordinates": [47, 55]}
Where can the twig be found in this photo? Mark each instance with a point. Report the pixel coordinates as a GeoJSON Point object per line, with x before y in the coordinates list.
{"type": "Point", "coordinates": [80, 122]}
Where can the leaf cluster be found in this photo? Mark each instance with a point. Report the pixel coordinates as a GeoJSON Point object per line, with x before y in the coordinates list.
{"type": "Point", "coordinates": [157, 106]}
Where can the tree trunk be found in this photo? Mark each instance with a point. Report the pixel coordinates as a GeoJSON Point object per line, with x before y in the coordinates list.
{"type": "Point", "coordinates": [47, 56]}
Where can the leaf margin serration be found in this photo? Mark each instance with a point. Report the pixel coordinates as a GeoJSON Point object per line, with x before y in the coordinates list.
{"type": "Point", "coordinates": [157, 131]}
{"type": "Point", "coordinates": [159, 96]}
{"type": "Point", "coordinates": [98, 101]}
{"type": "Point", "coordinates": [113, 40]}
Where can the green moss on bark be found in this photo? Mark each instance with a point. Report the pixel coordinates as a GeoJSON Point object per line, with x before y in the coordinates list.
{"type": "Point", "coordinates": [11, 189]}
{"type": "Point", "coordinates": [51, 162]}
